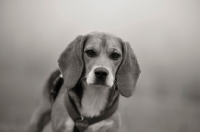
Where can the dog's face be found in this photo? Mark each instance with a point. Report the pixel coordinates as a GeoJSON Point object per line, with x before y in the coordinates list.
{"type": "Point", "coordinates": [102, 56]}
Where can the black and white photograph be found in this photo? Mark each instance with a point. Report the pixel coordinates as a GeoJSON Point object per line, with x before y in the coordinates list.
{"type": "Point", "coordinates": [99, 66]}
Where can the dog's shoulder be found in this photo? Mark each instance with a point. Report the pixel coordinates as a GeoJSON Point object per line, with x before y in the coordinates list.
{"type": "Point", "coordinates": [53, 85]}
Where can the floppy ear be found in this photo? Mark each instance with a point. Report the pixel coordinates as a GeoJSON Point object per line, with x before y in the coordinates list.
{"type": "Point", "coordinates": [71, 62]}
{"type": "Point", "coordinates": [128, 71]}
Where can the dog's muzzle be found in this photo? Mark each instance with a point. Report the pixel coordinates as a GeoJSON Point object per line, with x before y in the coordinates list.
{"type": "Point", "coordinates": [100, 76]}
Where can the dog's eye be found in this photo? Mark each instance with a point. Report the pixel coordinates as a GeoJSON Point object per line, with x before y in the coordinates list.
{"type": "Point", "coordinates": [90, 53]}
{"type": "Point", "coordinates": [115, 56]}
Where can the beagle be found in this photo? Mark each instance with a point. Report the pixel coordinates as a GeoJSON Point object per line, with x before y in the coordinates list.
{"type": "Point", "coordinates": [93, 71]}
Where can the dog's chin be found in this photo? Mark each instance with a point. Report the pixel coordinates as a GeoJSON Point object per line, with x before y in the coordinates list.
{"type": "Point", "coordinates": [96, 84]}
{"type": "Point", "coordinates": [99, 85]}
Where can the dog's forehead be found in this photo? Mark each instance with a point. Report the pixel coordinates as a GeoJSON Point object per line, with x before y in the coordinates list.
{"type": "Point", "coordinates": [103, 39]}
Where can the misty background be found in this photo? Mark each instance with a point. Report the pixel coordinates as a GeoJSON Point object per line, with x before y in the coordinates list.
{"type": "Point", "coordinates": [164, 34]}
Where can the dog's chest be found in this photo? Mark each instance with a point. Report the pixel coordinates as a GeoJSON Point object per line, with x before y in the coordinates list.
{"type": "Point", "coordinates": [61, 121]}
{"type": "Point", "coordinates": [93, 101]}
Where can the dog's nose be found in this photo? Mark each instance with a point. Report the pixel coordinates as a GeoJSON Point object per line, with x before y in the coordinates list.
{"type": "Point", "coordinates": [101, 73]}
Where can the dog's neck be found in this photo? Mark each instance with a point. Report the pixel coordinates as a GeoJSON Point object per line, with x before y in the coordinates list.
{"type": "Point", "coordinates": [94, 100]}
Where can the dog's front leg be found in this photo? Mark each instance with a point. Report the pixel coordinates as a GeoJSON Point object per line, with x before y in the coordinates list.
{"type": "Point", "coordinates": [41, 116]}
{"type": "Point", "coordinates": [61, 121]}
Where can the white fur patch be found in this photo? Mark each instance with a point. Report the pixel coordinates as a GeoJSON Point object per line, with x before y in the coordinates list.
{"type": "Point", "coordinates": [110, 123]}
{"type": "Point", "coordinates": [94, 100]}
{"type": "Point", "coordinates": [104, 123]}
{"type": "Point", "coordinates": [69, 124]}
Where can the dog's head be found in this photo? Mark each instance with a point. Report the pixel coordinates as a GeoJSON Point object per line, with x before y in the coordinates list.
{"type": "Point", "coordinates": [102, 57]}
{"type": "Point", "coordinates": [103, 60]}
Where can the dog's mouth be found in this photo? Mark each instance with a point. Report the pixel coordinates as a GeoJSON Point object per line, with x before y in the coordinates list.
{"type": "Point", "coordinates": [97, 82]}
{"type": "Point", "coordinates": [100, 82]}
{"type": "Point", "coordinates": [99, 85]}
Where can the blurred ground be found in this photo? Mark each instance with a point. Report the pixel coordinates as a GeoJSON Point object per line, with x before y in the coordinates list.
{"type": "Point", "coordinates": [164, 34]}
